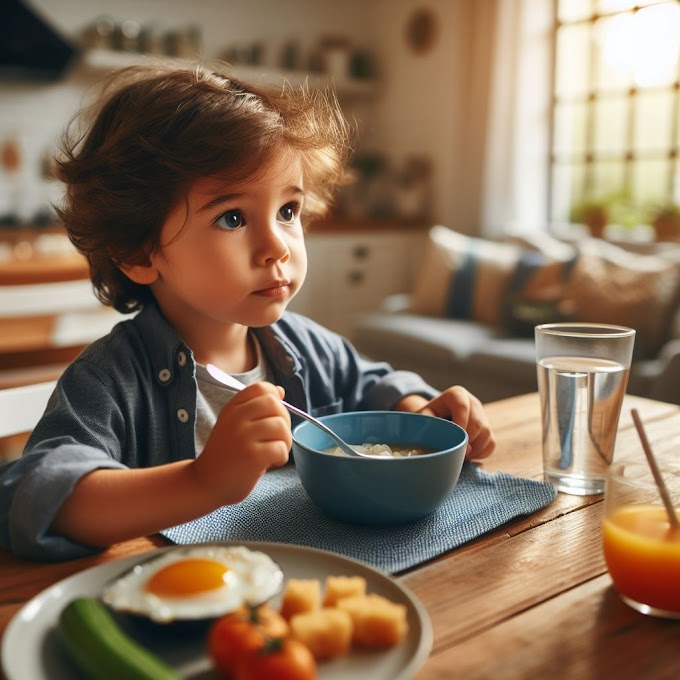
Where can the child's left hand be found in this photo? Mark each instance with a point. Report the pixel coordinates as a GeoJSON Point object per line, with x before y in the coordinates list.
{"type": "Point", "coordinates": [464, 409]}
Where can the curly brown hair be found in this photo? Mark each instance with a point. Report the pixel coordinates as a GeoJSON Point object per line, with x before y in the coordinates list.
{"type": "Point", "coordinates": [155, 130]}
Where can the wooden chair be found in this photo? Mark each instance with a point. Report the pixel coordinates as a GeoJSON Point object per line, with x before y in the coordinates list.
{"type": "Point", "coordinates": [20, 410]}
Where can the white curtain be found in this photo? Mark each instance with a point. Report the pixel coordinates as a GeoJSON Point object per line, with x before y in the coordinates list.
{"type": "Point", "coordinates": [514, 178]}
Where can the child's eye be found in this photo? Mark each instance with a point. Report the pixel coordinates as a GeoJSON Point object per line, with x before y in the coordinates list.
{"type": "Point", "coordinates": [289, 212]}
{"type": "Point", "coordinates": [232, 219]}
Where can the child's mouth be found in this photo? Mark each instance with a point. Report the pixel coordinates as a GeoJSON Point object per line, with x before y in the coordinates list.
{"type": "Point", "coordinates": [279, 289]}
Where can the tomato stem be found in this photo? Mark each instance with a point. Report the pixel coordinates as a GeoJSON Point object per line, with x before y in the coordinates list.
{"type": "Point", "coordinates": [272, 645]}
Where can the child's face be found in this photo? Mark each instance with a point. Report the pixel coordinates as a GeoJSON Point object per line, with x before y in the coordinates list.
{"type": "Point", "coordinates": [233, 253]}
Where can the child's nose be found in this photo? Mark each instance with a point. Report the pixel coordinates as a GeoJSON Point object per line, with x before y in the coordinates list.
{"type": "Point", "coordinates": [272, 246]}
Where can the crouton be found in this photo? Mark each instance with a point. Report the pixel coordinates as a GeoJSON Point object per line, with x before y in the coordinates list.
{"type": "Point", "coordinates": [327, 632]}
{"type": "Point", "coordinates": [338, 587]}
{"type": "Point", "coordinates": [377, 621]}
{"type": "Point", "coordinates": [300, 595]}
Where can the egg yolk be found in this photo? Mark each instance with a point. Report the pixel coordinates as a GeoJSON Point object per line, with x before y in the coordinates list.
{"type": "Point", "coordinates": [188, 577]}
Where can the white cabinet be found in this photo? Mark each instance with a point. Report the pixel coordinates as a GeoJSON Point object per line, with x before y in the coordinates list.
{"type": "Point", "coordinates": [350, 274]}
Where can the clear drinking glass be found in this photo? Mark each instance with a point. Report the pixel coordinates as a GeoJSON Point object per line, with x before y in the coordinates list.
{"type": "Point", "coordinates": [641, 548]}
{"type": "Point", "coordinates": [582, 377]}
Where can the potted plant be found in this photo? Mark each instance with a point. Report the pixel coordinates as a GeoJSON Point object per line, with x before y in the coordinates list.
{"type": "Point", "coordinates": [594, 213]}
{"type": "Point", "coordinates": [666, 223]}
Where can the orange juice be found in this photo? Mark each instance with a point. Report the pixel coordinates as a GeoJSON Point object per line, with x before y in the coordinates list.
{"type": "Point", "coordinates": [642, 552]}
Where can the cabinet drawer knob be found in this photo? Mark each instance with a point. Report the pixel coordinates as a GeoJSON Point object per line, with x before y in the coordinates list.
{"type": "Point", "coordinates": [361, 252]}
{"type": "Point", "coordinates": [355, 277]}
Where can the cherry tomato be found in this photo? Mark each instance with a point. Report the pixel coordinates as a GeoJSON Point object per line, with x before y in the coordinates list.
{"type": "Point", "coordinates": [240, 633]}
{"type": "Point", "coordinates": [279, 658]}
{"type": "Point", "coordinates": [268, 620]}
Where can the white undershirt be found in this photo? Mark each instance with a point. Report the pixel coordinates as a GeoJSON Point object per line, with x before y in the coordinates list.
{"type": "Point", "coordinates": [213, 395]}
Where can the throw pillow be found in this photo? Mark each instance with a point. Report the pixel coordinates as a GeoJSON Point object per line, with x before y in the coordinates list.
{"type": "Point", "coordinates": [535, 292]}
{"type": "Point", "coordinates": [463, 277]}
{"type": "Point", "coordinates": [611, 285]}
{"type": "Point", "coordinates": [496, 283]}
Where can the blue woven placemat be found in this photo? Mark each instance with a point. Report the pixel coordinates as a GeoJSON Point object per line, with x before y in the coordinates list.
{"type": "Point", "coordinates": [279, 510]}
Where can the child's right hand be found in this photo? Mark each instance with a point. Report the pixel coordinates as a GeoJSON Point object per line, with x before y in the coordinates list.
{"type": "Point", "coordinates": [251, 435]}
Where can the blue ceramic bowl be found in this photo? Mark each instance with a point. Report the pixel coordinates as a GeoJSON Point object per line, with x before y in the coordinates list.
{"type": "Point", "coordinates": [381, 490]}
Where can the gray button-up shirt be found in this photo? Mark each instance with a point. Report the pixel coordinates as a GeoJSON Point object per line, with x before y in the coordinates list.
{"type": "Point", "coordinates": [129, 401]}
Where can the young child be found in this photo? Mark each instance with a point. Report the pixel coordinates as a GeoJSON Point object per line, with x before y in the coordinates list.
{"type": "Point", "coordinates": [186, 194]}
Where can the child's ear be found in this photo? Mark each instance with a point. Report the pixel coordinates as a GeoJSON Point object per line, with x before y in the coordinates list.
{"type": "Point", "coordinates": [144, 274]}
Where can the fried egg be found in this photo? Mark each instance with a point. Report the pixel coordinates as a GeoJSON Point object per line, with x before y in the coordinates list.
{"type": "Point", "coordinates": [197, 582]}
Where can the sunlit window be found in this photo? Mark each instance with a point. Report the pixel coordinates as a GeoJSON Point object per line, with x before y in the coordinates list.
{"type": "Point", "coordinates": [616, 108]}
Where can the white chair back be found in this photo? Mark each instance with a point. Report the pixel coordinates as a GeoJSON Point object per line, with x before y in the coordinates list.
{"type": "Point", "coordinates": [48, 298]}
{"type": "Point", "coordinates": [78, 316]}
{"type": "Point", "coordinates": [22, 407]}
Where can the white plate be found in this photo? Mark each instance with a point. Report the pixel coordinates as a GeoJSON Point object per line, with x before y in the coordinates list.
{"type": "Point", "coordinates": [31, 648]}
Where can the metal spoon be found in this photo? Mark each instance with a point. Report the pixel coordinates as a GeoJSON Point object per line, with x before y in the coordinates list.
{"type": "Point", "coordinates": [236, 385]}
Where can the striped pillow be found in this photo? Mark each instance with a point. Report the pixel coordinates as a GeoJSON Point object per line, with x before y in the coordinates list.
{"type": "Point", "coordinates": [471, 278]}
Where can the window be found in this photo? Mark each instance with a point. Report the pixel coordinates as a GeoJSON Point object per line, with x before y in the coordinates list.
{"type": "Point", "coordinates": [615, 108]}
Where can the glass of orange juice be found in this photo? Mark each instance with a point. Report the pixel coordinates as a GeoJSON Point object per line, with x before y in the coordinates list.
{"type": "Point", "coordinates": [641, 547]}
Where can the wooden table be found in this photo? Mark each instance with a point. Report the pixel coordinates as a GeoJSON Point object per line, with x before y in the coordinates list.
{"type": "Point", "coordinates": [529, 600]}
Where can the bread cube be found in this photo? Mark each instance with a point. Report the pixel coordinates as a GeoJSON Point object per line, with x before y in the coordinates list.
{"type": "Point", "coordinates": [327, 632]}
{"type": "Point", "coordinates": [338, 587]}
{"type": "Point", "coordinates": [377, 621]}
{"type": "Point", "coordinates": [300, 595]}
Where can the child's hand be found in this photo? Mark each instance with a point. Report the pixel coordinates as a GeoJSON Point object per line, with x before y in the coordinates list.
{"type": "Point", "coordinates": [464, 409]}
{"type": "Point", "coordinates": [252, 434]}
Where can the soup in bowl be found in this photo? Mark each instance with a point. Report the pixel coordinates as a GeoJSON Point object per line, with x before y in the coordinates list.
{"type": "Point", "coordinates": [381, 489]}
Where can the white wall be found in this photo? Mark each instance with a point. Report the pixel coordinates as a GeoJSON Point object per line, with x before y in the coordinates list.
{"type": "Point", "coordinates": [423, 101]}
{"type": "Point", "coordinates": [424, 104]}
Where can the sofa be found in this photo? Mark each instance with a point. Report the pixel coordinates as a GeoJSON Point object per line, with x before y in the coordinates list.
{"type": "Point", "coordinates": [470, 316]}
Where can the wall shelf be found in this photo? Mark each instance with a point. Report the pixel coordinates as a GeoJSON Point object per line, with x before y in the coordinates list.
{"type": "Point", "coordinates": [102, 61]}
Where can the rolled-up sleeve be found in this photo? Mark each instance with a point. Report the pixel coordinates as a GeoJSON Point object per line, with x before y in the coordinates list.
{"type": "Point", "coordinates": [35, 488]}
{"type": "Point", "coordinates": [80, 431]}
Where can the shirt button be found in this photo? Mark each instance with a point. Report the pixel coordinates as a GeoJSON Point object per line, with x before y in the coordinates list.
{"type": "Point", "coordinates": [164, 375]}
{"type": "Point", "coordinates": [181, 359]}
{"type": "Point", "coordinates": [183, 415]}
